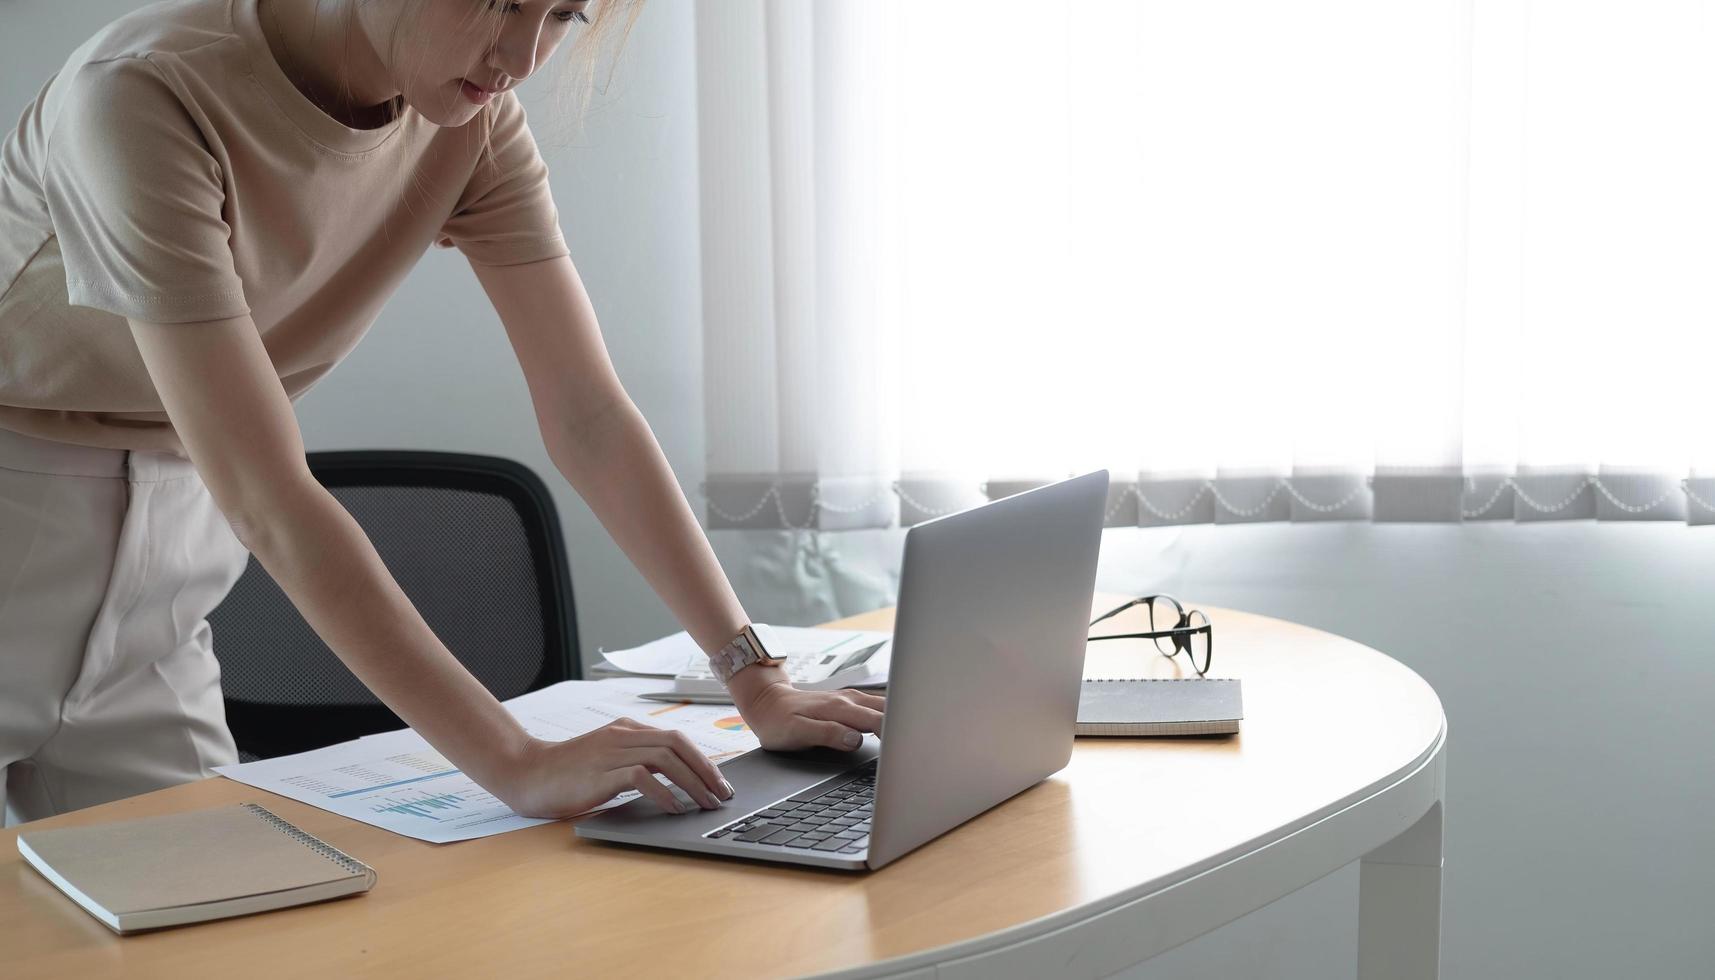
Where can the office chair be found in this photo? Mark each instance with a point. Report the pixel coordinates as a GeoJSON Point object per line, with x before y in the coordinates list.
{"type": "Point", "coordinates": [474, 542]}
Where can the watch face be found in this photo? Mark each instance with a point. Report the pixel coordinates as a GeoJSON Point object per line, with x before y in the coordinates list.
{"type": "Point", "coordinates": [770, 643]}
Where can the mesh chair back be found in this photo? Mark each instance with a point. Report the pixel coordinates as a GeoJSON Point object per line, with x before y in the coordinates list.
{"type": "Point", "coordinates": [473, 541]}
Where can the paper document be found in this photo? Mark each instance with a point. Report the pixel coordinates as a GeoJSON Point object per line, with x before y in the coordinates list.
{"type": "Point", "coordinates": [657, 658]}
{"type": "Point", "coordinates": [397, 782]}
{"type": "Point", "coordinates": [393, 781]}
{"type": "Point", "coordinates": [670, 655]}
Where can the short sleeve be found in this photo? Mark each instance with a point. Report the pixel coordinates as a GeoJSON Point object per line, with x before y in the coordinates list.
{"type": "Point", "coordinates": [506, 215]}
{"type": "Point", "coordinates": [136, 200]}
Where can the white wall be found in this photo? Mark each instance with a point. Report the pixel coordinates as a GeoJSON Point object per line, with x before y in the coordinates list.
{"type": "Point", "coordinates": [1574, 660]}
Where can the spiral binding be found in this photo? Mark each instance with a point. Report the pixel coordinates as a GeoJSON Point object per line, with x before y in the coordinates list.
{"type": "Point", "coordinates": [310, 841]}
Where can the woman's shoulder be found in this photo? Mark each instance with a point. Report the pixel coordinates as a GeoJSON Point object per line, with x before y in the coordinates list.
{"type": "Point", "coordinates": [160, 30]}
{"type": "Point", "coordinates": [149, 65]}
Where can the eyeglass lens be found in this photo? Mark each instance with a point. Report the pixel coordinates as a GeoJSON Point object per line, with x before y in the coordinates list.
{"type": "Point", "coordinates": [1198, 643]}
{"type": "Point", "coordinates": [1164, 614]}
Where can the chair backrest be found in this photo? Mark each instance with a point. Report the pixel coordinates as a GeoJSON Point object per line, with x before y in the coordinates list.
{"type": "Point", "coordinates": [474, 542]}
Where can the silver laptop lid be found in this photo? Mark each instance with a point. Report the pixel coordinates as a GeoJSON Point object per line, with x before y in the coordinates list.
{"type": "Point", "coordinates": [988, 655]}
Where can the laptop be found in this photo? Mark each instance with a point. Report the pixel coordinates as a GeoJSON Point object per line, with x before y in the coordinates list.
{"type": "Point", "coordinates": [988, 659]}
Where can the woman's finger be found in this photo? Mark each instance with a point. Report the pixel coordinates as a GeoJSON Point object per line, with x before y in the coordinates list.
{"type": "Point", "coordinates": [831, 733]}
{"type": "Point", "coordinates": [865, 698]}
{"type": "Point", "coordinates": [707, 773]}
{"type": "Point", "coordinates": [642, 780]}
{"type": "Point", "coordinates": [864, 719]}
{"type": "Point", "coordinates": [667, 762]}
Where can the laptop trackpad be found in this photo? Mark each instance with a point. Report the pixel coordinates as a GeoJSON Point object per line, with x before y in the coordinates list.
{"type": "Point", "coordinates": [758, 778]}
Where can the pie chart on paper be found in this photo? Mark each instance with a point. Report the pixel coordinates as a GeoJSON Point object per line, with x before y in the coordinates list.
{"type": "Point", "coordinates": [733, 723]}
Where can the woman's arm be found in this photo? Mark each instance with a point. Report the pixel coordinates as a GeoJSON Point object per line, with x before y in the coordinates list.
{"type": "Point", "coordinates": [224, 399]}
{"type": "Point", "coordinates": [600, 441]}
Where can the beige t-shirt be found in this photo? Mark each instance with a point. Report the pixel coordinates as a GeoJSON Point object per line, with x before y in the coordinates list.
{"type": "Point", "coordinates": [171, 172]}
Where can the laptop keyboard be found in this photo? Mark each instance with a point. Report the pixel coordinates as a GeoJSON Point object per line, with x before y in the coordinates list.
{"type": "Point", "coordinates": [818, 819]}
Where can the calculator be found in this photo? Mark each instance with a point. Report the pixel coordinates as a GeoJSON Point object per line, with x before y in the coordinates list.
{"type": "Point", "coordinates": [809, 668]}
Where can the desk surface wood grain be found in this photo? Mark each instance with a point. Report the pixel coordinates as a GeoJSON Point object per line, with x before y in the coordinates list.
{"type": "Point", "coordinates": [1325, 719]}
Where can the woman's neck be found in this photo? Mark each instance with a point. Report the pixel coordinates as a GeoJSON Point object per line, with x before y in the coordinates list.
{"type": "Point", "coordinates": [324, 51]}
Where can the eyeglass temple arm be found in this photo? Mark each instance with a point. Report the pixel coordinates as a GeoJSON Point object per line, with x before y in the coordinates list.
{"type": "Point", "coordinates": [1182, 631]}
{"type": "Point", "coordinates": [1116, 611]}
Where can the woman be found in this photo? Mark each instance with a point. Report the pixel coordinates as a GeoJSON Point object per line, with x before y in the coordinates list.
{"type": "Point", "coordinates": [200, 214]}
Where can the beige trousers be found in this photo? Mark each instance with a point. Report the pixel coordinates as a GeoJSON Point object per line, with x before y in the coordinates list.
{"type": "Point", "coordinates": [109, 562]}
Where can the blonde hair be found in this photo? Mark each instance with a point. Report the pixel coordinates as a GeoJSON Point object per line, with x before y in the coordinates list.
{"type": "Point", "coordinates": [585, 69]}
{"type": "Point", "coordinates": [581, 73]}
{"type": "Point", "coordinates": [581, 68]}
{"type": "Point", "coordinates": [604, 37]}
{"type": "Point", "coordinates": [588, 64]}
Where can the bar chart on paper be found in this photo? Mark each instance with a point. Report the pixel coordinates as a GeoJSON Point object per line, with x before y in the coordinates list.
{"type": "Point", "coordinates": [394, 781]}
{"type": "Point", "coordinates": [398, 782]}
{"type": "Point", "coordinates": [422, 806]}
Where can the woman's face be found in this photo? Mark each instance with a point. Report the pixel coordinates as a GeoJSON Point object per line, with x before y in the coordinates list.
{"type": "Point", "coordinates": [450, 57]}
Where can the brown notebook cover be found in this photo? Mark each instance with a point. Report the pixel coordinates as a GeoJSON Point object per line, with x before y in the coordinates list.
{"type": "Point", "coordinates": [191, 867]}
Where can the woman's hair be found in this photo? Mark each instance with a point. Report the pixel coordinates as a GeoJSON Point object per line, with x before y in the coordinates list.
{"type": "Point", "coordinates": [601, 40]}
{"type": "Point", "coordinates": [583, 70]}
{"type": "Point", "coordinates": [586, 65]}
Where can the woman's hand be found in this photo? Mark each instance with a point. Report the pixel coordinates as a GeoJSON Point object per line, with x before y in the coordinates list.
{"type": "Point", "coordinates": [784, 717]}
{"type": "Point", "coordinates": [563, 779]}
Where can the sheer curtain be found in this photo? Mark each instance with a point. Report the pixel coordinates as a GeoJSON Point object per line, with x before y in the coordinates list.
{"type": "Point", "coordinates": [1323, 260]}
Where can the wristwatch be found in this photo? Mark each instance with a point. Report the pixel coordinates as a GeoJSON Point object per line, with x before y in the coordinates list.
{"type": "Point", "coordinates": [750, 646]}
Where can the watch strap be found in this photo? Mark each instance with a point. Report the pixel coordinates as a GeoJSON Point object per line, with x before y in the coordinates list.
{"type": "Point", "coordinates": [740, 652]}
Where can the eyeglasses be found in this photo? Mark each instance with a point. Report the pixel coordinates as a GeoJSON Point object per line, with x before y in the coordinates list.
{"type": "Point", "coordinates": [1172, 627]}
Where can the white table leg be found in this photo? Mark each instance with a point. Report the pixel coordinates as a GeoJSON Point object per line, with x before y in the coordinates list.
{"type": "Point", "coordinates": [1399, 905]}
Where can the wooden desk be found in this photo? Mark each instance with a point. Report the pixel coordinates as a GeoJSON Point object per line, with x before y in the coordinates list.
{"type": "Point", "coordinates": [1135, 847]}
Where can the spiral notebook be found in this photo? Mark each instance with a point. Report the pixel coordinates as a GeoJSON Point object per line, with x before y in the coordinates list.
{"type": "Point", "coordinates": [191, 867]}
{"type": "Point", "coordinates": [1160, 706]}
